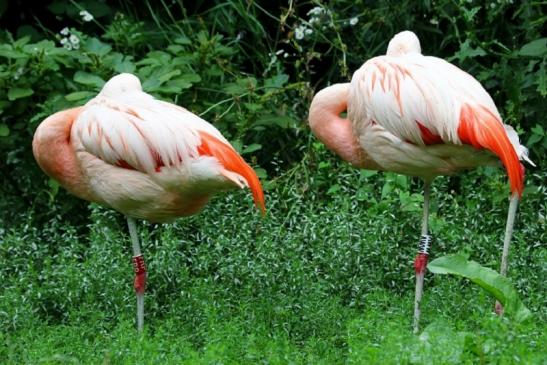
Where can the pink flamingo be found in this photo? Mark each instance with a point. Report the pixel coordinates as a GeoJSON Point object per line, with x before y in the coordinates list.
{"type": "Point", "coordinates": [419, 116]}
{"type": "Point", "coordinates": [143, 157]}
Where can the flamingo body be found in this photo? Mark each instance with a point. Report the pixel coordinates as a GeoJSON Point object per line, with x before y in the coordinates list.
{"type": "Point", "coordinates": [143, 157]}
{"type": "Point", "coordinates": [415, 115]}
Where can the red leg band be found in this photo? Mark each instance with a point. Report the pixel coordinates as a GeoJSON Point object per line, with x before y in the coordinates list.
{"type": "Point", "coordinates": [420, 263]}
{"type": "Point", "coordinates": [140, 274]}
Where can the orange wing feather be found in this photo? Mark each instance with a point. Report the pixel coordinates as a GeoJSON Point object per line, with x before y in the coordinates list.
{"type": "Point", "coordinates": [229, 158]}
{"type": "Point", "coordinates": [482, 129]}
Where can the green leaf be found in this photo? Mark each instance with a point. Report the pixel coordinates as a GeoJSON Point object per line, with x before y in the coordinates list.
{"type": "Point", "coordinates": [541, 80]}
{"type": "Point", "coordinates": [168, 76]}
{"type": "Point", "coordinates": [183, 40]}
{"type": "Point", "coordinates": [251, 148]}
{"type": "Point", "coordinates": [333, 189]}
{"type": "Point", "coordinates": [4, 130]}
{"type": "Point", "coordinates": [18, 93]}
{"type": "Point", "coordinates": [97, 47]}
{"type": "Point", "coordinates": [7, 51]}
{"type": "Point", "coordinates": [261, 173]}
{"type": "Point", "coordinates": [491, 281]}
{"type": "Point", "coordinates": [536, 48]}
{"type": "Point", "coordinates": [79, 95]}
{"type": "Point", "coordinates": [538, 129]}
{"type": "Point", "coordinates": [282, 121]}
{"type": "Point", "coordinates": [277, 81]}
{"type": "Point", "coordinates": [466, 51]}
{"type": "Point", "coordinates": [88, 79]}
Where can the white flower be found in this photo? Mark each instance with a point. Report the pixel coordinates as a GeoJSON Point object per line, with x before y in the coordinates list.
{"type": "Point", "coordinates": [353, 21]}
{"type": "Point", "coordinates": [308, 31]}
{"type": "Point", "coordinates": [86, 16]}
{"type": "Point", "coordinates": [74, 39]}
{"type": "Point", "coordinates": [64, 41]}
{"type": "Point", "coordinates": [65, 31]}
{"type": "Point", "coordinates": [299, 32]}
{"type": "Point", "coordinates": [434, 21]}
{"type": "Point", "coordinates": [68, 46]}
{"type": "Point", "coordinates": [316, 11]}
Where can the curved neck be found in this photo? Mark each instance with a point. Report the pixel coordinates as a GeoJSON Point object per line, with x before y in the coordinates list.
{"type": "Point", "coordinates": [54, 153]}
{"type": "Point", "coordinates": [335, 132]}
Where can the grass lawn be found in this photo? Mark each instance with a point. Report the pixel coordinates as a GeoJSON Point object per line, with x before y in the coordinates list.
{"type": "Point", "coordinates": [326, 277]}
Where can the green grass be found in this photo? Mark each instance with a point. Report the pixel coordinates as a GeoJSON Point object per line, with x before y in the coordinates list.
{"type": "Point", "coordinates": [323, 278]}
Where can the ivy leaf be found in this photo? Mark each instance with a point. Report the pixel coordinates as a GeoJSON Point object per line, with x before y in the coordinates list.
{"type": "Point", "coordinates": [17, 93]}
{"type": "Point", "coordinates": [491, 281]}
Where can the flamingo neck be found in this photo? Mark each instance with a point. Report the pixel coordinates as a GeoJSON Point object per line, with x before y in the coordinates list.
{"type": "Point", "coordinates": [335, 132]}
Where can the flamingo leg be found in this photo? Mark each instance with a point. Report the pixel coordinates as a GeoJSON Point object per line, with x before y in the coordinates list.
{"type": "Point", "coordinates": [140, 272]}
{"type": "Point", "coordinates": [420, 262]}
{"type": "Point", "coordinates": [507, 242]}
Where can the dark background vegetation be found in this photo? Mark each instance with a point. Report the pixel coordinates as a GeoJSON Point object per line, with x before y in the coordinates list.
{"type": "Point", "coordinates": [327, 274]}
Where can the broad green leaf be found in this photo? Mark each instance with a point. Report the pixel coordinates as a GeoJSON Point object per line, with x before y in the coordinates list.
{"type": "Point", "coordinates": [440, 338]}
{"type": "Point", "coordinates": [261, 173]}
{"type": "Point", "coordinates": [277, 81]}
{"type": "Point", "coordinates": [234, 88]}
{"type": "Point", "coordinates": [183, 40]}
{"type": "Point", "coordinates": [4, 130]}
{"type": "Point", "coordinates": [538, 129]}
{"type": "Point", "coordinates": [536, 48]}
{"type": "Point", "coordinates": [7, 51]}
{"type": "Point", "coordinates": [367, 173]}
{"type": "Point", "coordinates": [79, 95]}
{"type": "Point", "coordinates": [190, 77]}
{"type": "Point", "coordinates": [86, 78]}
{"type": "Point", "coordinates": [168, 76]}
{"type": "Point", "coordinates": [251, 148]}
{"type": "Point", "coordinates": [18, 93]}
{"type": "Point", "coordinates": [97, 47]}
{"type": "Point", "coordinates": [179, 84]}
{"type": "Point", "coordinates": [491, 281]}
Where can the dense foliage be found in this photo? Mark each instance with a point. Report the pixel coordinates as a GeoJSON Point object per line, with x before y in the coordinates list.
{"type": "Point", "coordinates": [326, 276]}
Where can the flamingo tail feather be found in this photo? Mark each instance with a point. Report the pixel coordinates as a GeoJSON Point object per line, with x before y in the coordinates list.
{"type": "Point", "coordinates": [232, 161]}
{"type": "Point", "coordinates": [482, 129]}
